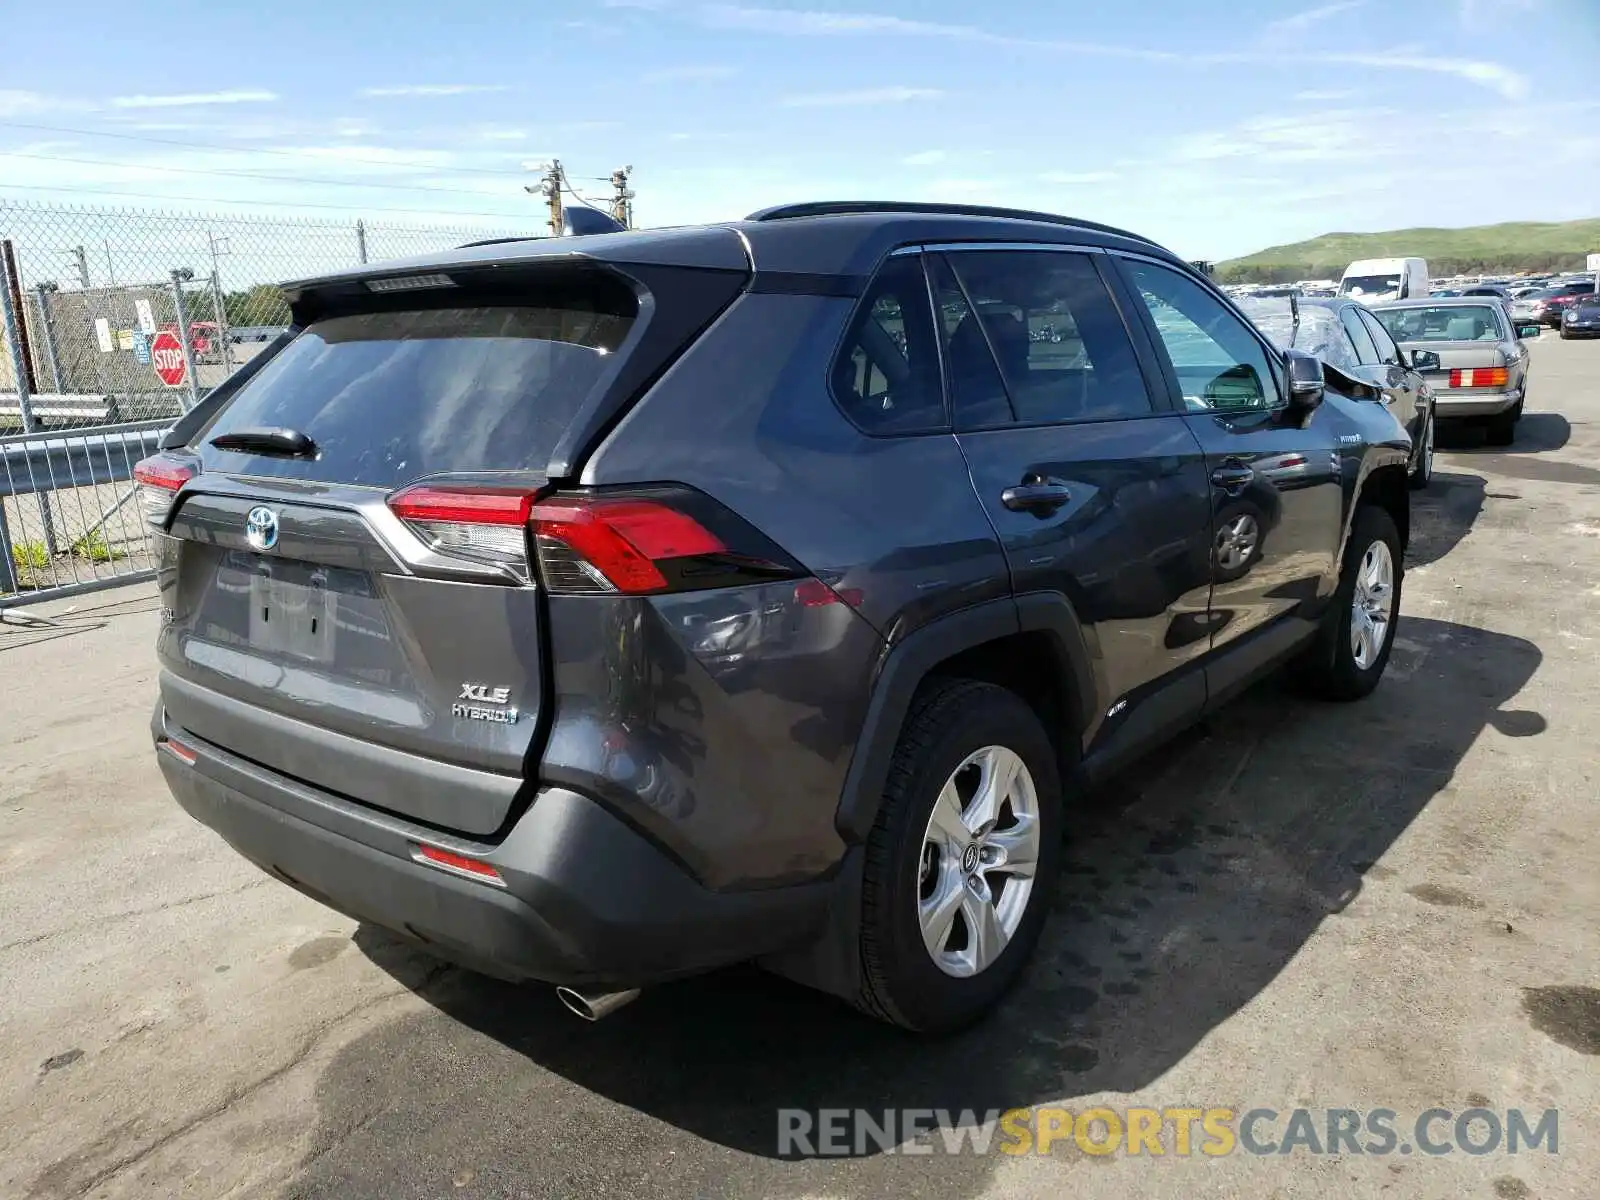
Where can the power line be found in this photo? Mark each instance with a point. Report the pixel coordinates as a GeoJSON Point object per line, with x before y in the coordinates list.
{"type": "Point", "coordinates": [133, 137]}
{"type": "Point", "coordinates": [278, 204]}
{"type": "Point", "coordinates": [142, 166]}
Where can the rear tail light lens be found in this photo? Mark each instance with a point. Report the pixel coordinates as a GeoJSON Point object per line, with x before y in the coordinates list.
{"type": "Point", "coordinates": [656, 539]}
{"type": "Point", "coordinates": [483, 523]}
{"type": "Point", "coordinates": [1479, 377]}
{"type": "Point", "coordinates": [614, 545]}
{"type": "Point", "coordinates": [158, 479]}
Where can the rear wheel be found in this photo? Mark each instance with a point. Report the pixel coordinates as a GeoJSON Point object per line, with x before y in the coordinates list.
{"type": "Point", "coordinates": [1502, 427]}
{"type": "Point", "coordinates": [962, 859]}
{"type": "Point", "coordinates": [1348, 657]}
{"type": "Point", "coordinates": [1422, 473]}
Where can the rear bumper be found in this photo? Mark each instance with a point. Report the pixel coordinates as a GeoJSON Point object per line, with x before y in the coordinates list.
{"type": "Point", "coordinates": [586, 901]}
{"type": "Point", "coordinates": [1458, 403]}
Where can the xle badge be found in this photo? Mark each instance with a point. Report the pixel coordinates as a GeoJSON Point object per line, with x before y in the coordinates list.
{"type": "Point", "coordinates": [480, 702]}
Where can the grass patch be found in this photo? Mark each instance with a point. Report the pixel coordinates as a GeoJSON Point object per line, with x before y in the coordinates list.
{"type": "Point", "coordinates": [94, 547]}
{"type": "Point", "coordinates": [30, 556]}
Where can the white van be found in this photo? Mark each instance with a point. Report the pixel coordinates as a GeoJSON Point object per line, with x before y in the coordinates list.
{"type": "Point", "coordinates": [1373, 280]}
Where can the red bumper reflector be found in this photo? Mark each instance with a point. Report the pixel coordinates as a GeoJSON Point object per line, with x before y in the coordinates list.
{"type": "Point", "coordinates": [458, 862]}
{"type": "Point", "coordinates": [179, 751]}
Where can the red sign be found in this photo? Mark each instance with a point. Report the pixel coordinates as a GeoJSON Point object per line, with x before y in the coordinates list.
{"type": "Point", "coordinates": [166, 356]}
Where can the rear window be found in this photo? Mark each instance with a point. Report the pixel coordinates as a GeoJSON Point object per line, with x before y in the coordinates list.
{"type": "Point", "coordinates": [391, 396]}
{"type": "Point", "coordinates": [1447, 323]}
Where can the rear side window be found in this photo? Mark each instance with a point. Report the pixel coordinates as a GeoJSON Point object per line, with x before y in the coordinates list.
{"type": "Point", "coordinates": [1049, 321]}
{"type": "Point", "coordinates": [391, 396]}
{"type": "Point", "coordinates": [886, 377]}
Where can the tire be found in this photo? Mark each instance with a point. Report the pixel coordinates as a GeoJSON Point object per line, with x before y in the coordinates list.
{"type": "Point", "coordinates": [906, 868]}
{"type": "Point", "coordinates": [1422, 475]}
{"type": "Point", "coordinates": [1502, 427]}
{"type": "Point", "coordinates": [1330, 668]}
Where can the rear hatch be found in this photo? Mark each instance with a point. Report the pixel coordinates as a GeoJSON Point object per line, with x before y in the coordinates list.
{"type": "Point", "coordinates": [346, 573]}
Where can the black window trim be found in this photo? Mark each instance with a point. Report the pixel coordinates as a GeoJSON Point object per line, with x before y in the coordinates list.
{"type": "Point", "coordinates": [1355, 315]}
{"type": "Point", "coordinates": [1374, 327]}
{"type": "Point", "coordinates": [861, 302]}
{"type": "Point", "coordinates": [1160, 401]}
{"type": "Point", "coordinates": [1276, 358]}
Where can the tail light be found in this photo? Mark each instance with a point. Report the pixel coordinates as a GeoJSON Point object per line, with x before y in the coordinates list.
{"type": "Point", "coordinates": [1479, 377]}
{"type": "Point", "coordinates": [157, 480]}
{"type": "Point", "coordinates": [639, 542]}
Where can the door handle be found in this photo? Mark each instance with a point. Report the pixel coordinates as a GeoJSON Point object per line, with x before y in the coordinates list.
{"type": "Point", "coordinates": [1233, 476]}
{"type": "Point", "coordinates": [1039, 498]}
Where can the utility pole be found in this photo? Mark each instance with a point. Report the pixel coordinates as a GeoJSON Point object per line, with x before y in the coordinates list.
{"type": "Point", "coordinates": [550, 187]}
{"type": "Point", "coordinates": [622, 200]}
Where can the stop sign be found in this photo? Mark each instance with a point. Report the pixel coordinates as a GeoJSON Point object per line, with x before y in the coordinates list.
{"type": "Point", "coordinates": [166, 356]}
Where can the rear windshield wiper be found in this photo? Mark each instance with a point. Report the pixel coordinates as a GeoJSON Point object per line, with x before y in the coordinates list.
{"type": "Point", "coordinates": [290, 443]}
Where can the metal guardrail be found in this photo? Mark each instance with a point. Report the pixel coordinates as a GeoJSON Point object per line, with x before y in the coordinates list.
{"type": "Point", "coordinates": [68, 519]}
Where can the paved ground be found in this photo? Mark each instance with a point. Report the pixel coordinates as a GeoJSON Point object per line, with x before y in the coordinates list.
{"type": "Point", "coordinates": [1390, 904]}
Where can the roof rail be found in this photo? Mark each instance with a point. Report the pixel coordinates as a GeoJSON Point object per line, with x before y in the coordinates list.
{"type": "Point", "coordinates": [500, 241]}
{"type": "Point", "coordinates": [839, 208]}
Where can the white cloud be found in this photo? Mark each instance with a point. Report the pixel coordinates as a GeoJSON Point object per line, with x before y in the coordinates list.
{"type": "Point", "coordinates": [1327, 94]}
{"type": "Point", "coordinates": [800, 22]}
{"type": "Point", "coordinates": [790, 22]}
{"type": "Point", "coordinates": [189, 99]}
{"type": "Point", "coordinates": [691, 74]}
{"type": "Point", "coordinates": [501, 133]}
{"type": "Point", "coordinates": [1293, 27]}
{"type": "Point", "coordinates": [1079, 177]}
{"type": "Point", "coordinates": [1511, 84]}
{"type": "Point", "coordinates": [436, 89]}
{"type": "Point", "coordinates": [924, 158]}
{"type": "Point", "coordinates": [17, 103]}
{"type": "Point", "coordinates": [866, 96]}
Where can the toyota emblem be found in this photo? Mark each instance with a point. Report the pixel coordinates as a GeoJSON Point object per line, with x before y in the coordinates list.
{"type": "Point", "coordinates": [261, 528]}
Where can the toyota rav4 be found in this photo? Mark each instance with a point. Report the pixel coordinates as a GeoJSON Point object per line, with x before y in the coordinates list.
{"type": "Point", "coordinates": [600, 610]}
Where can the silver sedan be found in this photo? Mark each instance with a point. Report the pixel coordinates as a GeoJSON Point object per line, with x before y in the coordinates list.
{"type": "Point", "coordinates": [1479, 364]}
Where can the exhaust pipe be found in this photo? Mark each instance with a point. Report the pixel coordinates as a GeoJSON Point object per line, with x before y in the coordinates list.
{"type": "Point", "coordinates": [595, 1005]}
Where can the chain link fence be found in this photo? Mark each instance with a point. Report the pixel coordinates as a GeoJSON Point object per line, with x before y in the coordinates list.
{"type": "Point", "coordinates": [118, 320]}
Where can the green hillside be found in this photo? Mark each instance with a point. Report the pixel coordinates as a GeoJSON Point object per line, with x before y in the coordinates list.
{"type": "Point", "coordinates": [1515, 246]}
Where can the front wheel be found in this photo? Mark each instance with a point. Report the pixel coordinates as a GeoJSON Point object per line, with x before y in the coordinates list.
{"type": "Point", "coordinates": [1348, 657]}
{"type": "Point", "coordinates": [962, 859]}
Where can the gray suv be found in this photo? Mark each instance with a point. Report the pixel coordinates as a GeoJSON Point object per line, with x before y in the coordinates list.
{"type": "Point", "coordinates": [601, 610]}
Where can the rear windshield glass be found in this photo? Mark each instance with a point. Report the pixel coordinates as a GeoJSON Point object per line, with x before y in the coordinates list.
{"type": "Point", "coordinates": [1447, 323]}
{"type": "Point", "coordinates": [391, 396]}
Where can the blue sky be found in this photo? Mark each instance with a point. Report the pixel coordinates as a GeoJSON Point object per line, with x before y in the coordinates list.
{"type": "Point", "coordinates": [1216, 126]}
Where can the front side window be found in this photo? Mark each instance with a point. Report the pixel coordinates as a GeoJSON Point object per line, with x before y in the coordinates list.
{"type": "Point", "coordinates": [1366, 350]}
{"type": "Point", "coordinates": [1048, 321]}
{"type": "Point", "coordinates": [1220, 364]}
{"type": "Point", "coordinates": [886, 377]}
{"type": "Point", "coordinates": [1388, 352]}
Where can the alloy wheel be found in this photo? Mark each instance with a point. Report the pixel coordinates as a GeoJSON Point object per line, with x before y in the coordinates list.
{"type": "Point", "coordinates": [1372, 606]}
{"type": "Point", "coordinates": [979, 854]}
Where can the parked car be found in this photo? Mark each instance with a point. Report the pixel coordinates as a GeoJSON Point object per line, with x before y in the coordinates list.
{"type": "Point", "coordinates": [1480, 370]}
{"type": "Point", "coordinates": [1487, 289]}
{"type": "Point", "coordinates": [1350, 339]}
{"type": "Point", "coordinates": [1545, 306]}
{"type": "Point", "coordinates": [1581, 318]}
{"type": "Point", "coordinates": [599, 610]}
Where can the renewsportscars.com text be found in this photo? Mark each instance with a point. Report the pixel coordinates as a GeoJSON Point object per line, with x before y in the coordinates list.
{"type": "Point", "coordinates": [1161, 1132]}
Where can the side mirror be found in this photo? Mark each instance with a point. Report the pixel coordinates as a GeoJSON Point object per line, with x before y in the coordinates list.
{"type": "Point", "coordinates": [1305, 380]}
{"type": "Point", "coordinates": [1425, 360]}
{"type": "Point", "coordinates": [1529, 331]}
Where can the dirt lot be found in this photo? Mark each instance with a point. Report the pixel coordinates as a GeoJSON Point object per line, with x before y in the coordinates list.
{"type": "Point", "coordinates": [1393, 904]}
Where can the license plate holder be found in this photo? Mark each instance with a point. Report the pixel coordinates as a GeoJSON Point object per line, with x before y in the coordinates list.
{"type": "Point", "coordinates": [292, 611]}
